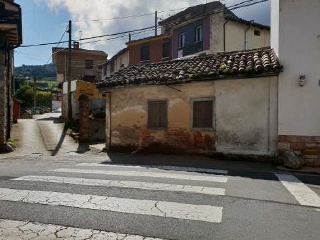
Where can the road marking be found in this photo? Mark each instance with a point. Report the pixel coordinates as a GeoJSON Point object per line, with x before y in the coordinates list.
{"type": "Point", "coordinates": [204, 213]}
{"type": "Point", "coordinates": [125, 184]}
{"type": "Point", "coordinates": [174, 168]}
{"type": "Point", "coordinates": [31, 230]}
{"type": "Point", "coordinates": [302, 193]}
{"type": "Point", "coordinates": [199, 177]}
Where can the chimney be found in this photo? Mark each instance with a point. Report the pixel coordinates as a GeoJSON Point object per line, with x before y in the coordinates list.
{"type": "Point", "coordinates": [76, 45]}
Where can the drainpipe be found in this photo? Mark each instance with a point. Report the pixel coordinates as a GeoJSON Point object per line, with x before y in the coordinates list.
{"type": "Point", "coordinates": [246, 35]}
{"type": "Point", "coordinates": [224, 35]}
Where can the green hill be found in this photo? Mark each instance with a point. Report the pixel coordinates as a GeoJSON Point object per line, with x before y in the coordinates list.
{"type": "Point", "coordinates": [39, 71]}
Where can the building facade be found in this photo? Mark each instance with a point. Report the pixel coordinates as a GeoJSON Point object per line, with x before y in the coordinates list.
{"type": "Point", "coordinates": [296, 39]}
{"type": "Point", "coordinates": [85, 64]}
{"type": "Point", "coordinates": [10, 38]}
{"type": "Point", "coordinates": [212, 28]}
{"type": "Point", "coordinates": [150, 50]}
{"type": "Point", "coordinates": [219, 103]}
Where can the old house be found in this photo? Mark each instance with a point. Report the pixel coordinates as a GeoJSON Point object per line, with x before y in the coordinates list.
{"type": "Point", "coordinates": [10, 38]}
{"type": "Point", "coordinates": [296, 40]}
{"type": "Point", "coordinates": [212, 27]}
{"type": "Point", "coordinates": [225, 102]}
{"type": "Point", "coordinates": [85, 66]}
{"type": "Point", "coordinates": [117, 62]}
{"type": "Point", "coordinates": [84, 63]}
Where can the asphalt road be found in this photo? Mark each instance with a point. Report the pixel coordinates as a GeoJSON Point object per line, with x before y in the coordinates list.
{"type": "Point", "coordinates": [92, 195]}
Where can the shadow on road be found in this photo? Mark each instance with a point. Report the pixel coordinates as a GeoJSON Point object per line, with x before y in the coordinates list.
{"type": "Point", "coordinates": [62, 137]}
{"type": "Point", "coordinates": [245, 169]}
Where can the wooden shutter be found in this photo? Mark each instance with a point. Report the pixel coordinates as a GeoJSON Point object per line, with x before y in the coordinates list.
{"type": "Point", "coordinates": [203, 114]}
{"type": "Point", "coordinates": [157, 114]}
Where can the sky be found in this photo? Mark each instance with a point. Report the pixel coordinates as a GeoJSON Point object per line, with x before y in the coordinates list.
{"type": "Point", "coordinates": [46, 21]}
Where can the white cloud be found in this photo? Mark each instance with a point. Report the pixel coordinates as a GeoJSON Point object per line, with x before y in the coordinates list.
{"type": "Point", "coordinates": [82, 11]}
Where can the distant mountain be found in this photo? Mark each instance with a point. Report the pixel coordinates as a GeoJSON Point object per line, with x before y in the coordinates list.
{"type": "Point", "coordinates": [39, 71]}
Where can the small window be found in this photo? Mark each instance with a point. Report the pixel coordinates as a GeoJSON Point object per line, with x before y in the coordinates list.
{"type": "Point", "coordinates": [182, 40]}
{"type": "Point", "coordinates": [89, 64]}
{"type": "Point", "coordinates": [202, 114]}
{"type": "Point", "coordinates": [166, 50]}
{"type": "Point", "coordinates": [145, 56]}
{"type": "Point", "coordinates": [157, 114]}
{"type": "Point", "coordinates": [257, 32]}
{"type": "Point", "coordinates": [198, 34]}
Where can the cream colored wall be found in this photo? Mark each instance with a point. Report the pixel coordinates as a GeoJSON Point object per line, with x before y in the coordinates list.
{"type": "Point", "coordinates": [216, 32]}
{"type": "Point", "coordinates": [121, 59]}
{"type": "Point", "coordinates": [298, 43]}
{"type": "Point", "coordinates": [245, 115]}
{"type": "Point", "coordinates": [129, 110]}
{"type": "Point", "coordinates": [235, 37]}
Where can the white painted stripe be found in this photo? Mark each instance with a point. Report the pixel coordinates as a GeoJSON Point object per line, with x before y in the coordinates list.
{"type": "Point", "coordinates": [125, 184]}
{"type": "Point", "coordinates": [123, 205]}
{"type": "Point", "coordinates": [31, 230]}
{"type": "Point", "coordinates": [193, 177]}
{"type": "Point", "coordinates": [302, 193]}
{"type": "Point", "coordinates": [174, 168]}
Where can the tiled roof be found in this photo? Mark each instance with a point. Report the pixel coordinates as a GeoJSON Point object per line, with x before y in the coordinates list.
{"type": "Point", "coordinates": [243, 64]}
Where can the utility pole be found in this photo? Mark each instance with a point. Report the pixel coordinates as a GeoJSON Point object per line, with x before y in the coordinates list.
{"type": "Point", "coordinates": [69, 73]}
{"type": "Point", "coordinates": [155, 23]}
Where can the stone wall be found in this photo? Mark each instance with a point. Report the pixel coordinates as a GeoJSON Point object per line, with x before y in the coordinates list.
{"type": "Point", "coordinates": [309, 146]}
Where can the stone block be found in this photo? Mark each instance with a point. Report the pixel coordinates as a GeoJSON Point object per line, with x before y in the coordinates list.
{"type": "Point", "coordinates": [284, 146]}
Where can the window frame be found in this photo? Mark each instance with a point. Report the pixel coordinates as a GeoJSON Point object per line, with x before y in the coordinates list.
{"type": "Point", "coordinates": [198, 37]}
{"type": "Point", "coordinates": [212, 99]}
{"type": "Point", "coordinates": [163, 50]}
{"type": "Point", "coordinates": [148, 116]}
{"type": "Point", "coordinates": [141, 51]}
{"type": "Point", "coordinates": [89, 66]}
{"type": "Point", "coordinates": [257, 32]}
{"type": "Point", "coordinates": [182, 40]}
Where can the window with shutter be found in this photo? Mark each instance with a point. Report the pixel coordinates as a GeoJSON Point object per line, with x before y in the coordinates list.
{"type": "Point", "coordinates": [202, 114]}
{"type": "Point", "coordinates": [157, 114]}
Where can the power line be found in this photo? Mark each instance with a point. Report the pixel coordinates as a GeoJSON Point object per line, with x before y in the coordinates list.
{"type": "Point", "coordinates": [88, 38]}
{"type": "Point", "coordinates": [64, 33]}
{"type": "Point", "coordinates": [232, 7]}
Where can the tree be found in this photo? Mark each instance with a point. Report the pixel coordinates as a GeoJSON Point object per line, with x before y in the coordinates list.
{"type": "Point", "coordinates": [26, 94]}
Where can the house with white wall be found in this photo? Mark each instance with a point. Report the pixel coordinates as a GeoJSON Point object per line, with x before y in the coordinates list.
{"type": "Point", "coordinates": [295, 37]}
{"type": "Point", "coordinates": [117, 62]}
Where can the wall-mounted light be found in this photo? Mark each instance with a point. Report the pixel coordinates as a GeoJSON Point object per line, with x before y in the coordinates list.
{"type": "Point", "coordinates": [302, 80]}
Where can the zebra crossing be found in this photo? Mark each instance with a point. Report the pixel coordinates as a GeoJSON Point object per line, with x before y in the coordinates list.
{"type": "Point", "coordinates": [195, 181]}
{"type": "Point", "coordinates": [151, 185]}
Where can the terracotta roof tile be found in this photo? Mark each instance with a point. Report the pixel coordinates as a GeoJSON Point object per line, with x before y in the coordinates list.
{"type": "Point", "coordinates": [243, 64]}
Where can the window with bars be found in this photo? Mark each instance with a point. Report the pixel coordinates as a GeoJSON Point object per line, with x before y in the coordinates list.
{"type": "Point", "coordinates": [202, 113]}
{"type": "Point", "coordinates": [157, 114]}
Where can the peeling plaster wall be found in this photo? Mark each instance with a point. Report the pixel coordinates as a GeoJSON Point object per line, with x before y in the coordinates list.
{"type": "Point", "coordinates": [246, 116]}
{"type": "Point", "coordinates": [245, 121]}
{"type": "Point", "coordinates": [130, 117]}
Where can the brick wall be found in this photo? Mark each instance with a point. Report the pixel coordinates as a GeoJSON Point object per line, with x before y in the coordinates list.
{"type": "Point", "coordinates": [309, 146]}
